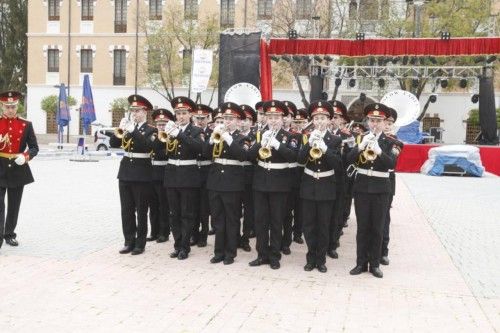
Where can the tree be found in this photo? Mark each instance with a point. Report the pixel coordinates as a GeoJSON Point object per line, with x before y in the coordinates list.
{"type": "Point", "coordinates": [49, 103]}
{"type": "Point", "coordinates": [13, 50]}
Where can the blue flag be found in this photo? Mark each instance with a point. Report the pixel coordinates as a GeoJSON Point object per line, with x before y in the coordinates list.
{"type": "Point", "coordinates": [62, 116]}
{"type": "Point", "coordinates": [87, 111]}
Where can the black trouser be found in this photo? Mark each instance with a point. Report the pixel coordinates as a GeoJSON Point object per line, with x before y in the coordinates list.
{"type": "Point", "coordinates": [14, 196]}
{"type": "Point", "coordinates": [293, 218]}
{"type": "Point", "coordinates": [316, 217]}
{"type": "Point", "coordinates": [270, 208]}
{"type": "Point", "coordinates": [225, 209]}
{"type": "Point", "coordinates": [336, 221]}
{"type": "Point", "coordinates": [158, 211]}
{"type": "Point", "coordinates": [248, 214]}
{"type": "Point", "coordinates": [385, 237]}
{"type": "Point", "coordinates": [371, 209]}
{"type": "Point", "coordinates": [183, 203]}
{"type": "Point", "coordinates": [347, 199]}
{"type": "Point", "coordinates": [202, 217]}
{"type": "Point", "coordinates": [134, 199]}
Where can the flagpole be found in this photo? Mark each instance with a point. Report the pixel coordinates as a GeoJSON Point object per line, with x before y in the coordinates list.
{"type": "Point", "coordinates": [69, 60]}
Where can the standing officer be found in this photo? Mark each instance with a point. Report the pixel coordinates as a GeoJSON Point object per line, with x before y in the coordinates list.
{"type": "Point", "coordinates": [321, 156]}
{"type": "Point", "coordinates": [226, 182]}
{"type": "Point", "coordinates": [16, 134]}
{"type": "Point", "coordinates": [135, 173]}
{"type": "Point", "coordinates": [158, 209]}
{"type": "Point", "coordinates": [182, 175]}
{"type": "Point", "coordinates": [398, 146]}
{"type": "Point", "coordinates": [374, 157]}
{"type": "Point", "coordinates": [271, 183]}
{"type": "Point", "coordinates": [199, 237]}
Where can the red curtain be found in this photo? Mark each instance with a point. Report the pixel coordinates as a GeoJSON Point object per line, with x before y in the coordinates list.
{"type": "Point", "coordinates": [387, 47]}
{"type": "Point", "coordinates": [266, 81]}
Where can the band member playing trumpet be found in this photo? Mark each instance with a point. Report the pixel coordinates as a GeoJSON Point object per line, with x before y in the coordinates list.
{"type": "Point", "coordinates": [271, 183]}
{"type": "Point", "coordinates": [158, 208]}
{"type": "Point", "coordinates": [226, 182]}
{"type": "Point", "coordinates": [182, 175]}
{"type": "Point", "coordinates": [374, 157]}
{"type": "Point", "coordinates": [320, 154]}
{"type": "Point", "coordinates": [135, 173]}
{"type": "Point", "coordinates": [18, 146]}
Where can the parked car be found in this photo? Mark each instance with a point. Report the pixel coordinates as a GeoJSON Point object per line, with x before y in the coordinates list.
{"type": "Point", "coordinates": [101, 138]}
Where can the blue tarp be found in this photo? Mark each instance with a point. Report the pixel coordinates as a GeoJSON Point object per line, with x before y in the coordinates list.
{"type": "Point", "coordinates": [410, 133]}
{"type": "Point", "coordinates": [470, 168]}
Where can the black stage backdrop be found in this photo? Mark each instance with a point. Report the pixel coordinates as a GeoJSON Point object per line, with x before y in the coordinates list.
{"type": "Point", "coordinates": [487, 112]}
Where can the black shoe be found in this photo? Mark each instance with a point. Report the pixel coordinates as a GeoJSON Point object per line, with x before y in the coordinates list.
{"type": "Point", "coordinates": [345, 224]}
{"type": "Point", "coordinates": [151, 238]}
{"type": "Point", "coordinates": [202, 243]}
{"type": "Point", "coordinates": [322, 268]}
{"type": "Point", "coordinates": [376, 272]}
{"type": "Point", "coordinates": [174, 254]}
{"type": "Point", "coordinates": [298, 240]}
{"type": "Point", "coordinates": [162, 239]}
{"type": "Point", "coordinates": [258, 262]}
{"type": "Point", "coordinates": [286, 250]}
{"type": "Point", "coordinates": [341, 232]}
{"type": "Point", "coordinates": [126, 249]}
{"type": "Point", "coordinates": [11, 241]}
{"type": "Point", "coordinates": [251, 234]}
{"type": "Point", "coordinates": [358, 270]}
{"type": "Point", "coordinates": [246, 247]}
{"type": "Point", "coordinates": [384, 260]}
{"type": "Point", "coordinates": [182, 255]}
{"type": "Point", "coordinates": [216, 260]}
{"type": "Point", "coordinates": [193, 241]}
{"type": "Point", "coordinates": [333, 254]}
{"type": "Point", "coordinates": [309, 267]}
{"type": "Point", "coordinates": [137, 250]}
{"type": "Point", "coordinates": [275, 265]}
{"type": "Point", "coordinates": [211, 232]}
{"type": "Point", "coordinates": [228, 261]}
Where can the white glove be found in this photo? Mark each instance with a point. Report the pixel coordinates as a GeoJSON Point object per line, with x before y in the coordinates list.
{"type": "Point", "coordinates": [266, 136]}
{"type": "Point", "coordinates": [376, 148]}
{"type": "Point", "coordinates": [219, 128]}
{"type": "Point", "coordinates": [20, 159]}
{"type": "Point", "coordinates": [366, 139]}
{"type": "Point", "coordinates": [275, 143]}
{"type": "Point", "coordinates": [211, 140]}
{"type": "Point", "coordinates": [175, 132]}
{"type": "Point", "coordinates": [129, 127]}
{"type": "Point", "coordinates": [322, 145]}
{"type": "Point", "coordinates": [123, 123]}
{"type": "Point", "coordinates": [227, 137]}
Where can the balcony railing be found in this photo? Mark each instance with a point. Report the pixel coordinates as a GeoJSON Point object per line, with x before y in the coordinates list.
{"type": "Point", "coordinates": [120, 26]}
{"type": "Point", "coordinates": [118, 80]}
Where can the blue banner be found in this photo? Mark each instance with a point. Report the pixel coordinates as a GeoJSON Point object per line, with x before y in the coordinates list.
{"type": "Point", "coordinates": [87, 111]}
{"type": "Point", "coordinates": [63, 116]}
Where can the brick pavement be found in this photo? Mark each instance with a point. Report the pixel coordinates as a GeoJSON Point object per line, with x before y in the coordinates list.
{"type": "Point", "coordinates": [68, 276]}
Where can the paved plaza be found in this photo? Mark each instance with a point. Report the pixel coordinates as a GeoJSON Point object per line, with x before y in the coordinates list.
{"type": "Point", "coordinates": [67, 275]}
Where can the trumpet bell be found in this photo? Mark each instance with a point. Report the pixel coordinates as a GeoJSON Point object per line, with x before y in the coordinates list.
{"type": "Point", "coordinates": [119, 133]}
{"type": "Point", "coordinates": [315, 153]}
{"type": "Point", "coordinates": [217, 138]}
{"type": "Point", "coordinates": [163, 136]}
{"type": "Point", "coordinates": [265, 153]}
{"type": "Point", "coordinates": [369, 154]}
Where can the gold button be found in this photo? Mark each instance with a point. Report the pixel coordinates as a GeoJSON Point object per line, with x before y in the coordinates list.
{"type": "Point", "coordinates": [222, 171]}
{"type": "Point", "coordinates": [178, 153]}
{"type": "Point", "coordinates": [319, 162]}
{"type": "Point", "coordinates": [10, 165]}
{"type": "Point", "coordinates": [131, 148]}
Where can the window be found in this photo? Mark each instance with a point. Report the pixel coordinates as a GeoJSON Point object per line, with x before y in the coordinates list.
{"type": "Point", "coordinates": [87, 10]}
{"type": "Point", "coordinates": [119, 68]}
{"type": "Point", "coordinates": [264, 9]}
{"type": "Point", "coordinates": [54, 10]}
{"type": "Point", "coordinates": [53, 60]}
{"type": "Point", "coordinates": [227, 13]}
{"type": "Point", "coordinates": [190, 9]}
{"type": "Point", "coordinates": [303, 9]}
{"type": "Point", "coordinates": [154, 61]}
{"type": "Point", "coordinates": [86, 61]}
{"type": "Point", "coordinates": [155, 9]}
{"type": "Point", "coordinates": [368, 9]}
{"type": "Point", "coordinates": [353, 10]}
{"type": "Point", "coordinates": [120, 15]}
{"type": "Point", "coordinates": [186, 61]}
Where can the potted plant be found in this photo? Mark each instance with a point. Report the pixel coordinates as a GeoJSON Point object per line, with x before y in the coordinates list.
{"type": "Point", "coordinates": [49, 105]}
{"type": "Point", "coordinates": [473, 126]}
{"type": "Point", "coordinates": [117, 108]}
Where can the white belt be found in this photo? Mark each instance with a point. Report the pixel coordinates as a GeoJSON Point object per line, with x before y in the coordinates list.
{"type": "Point", "coordinates": [301, 165]}
{"type": "Point", "coordinates": [137, 155]}
{"type": "Point", "coordinates": [204, 163]}
{"type": "Point", "coordinates": [182, 162]}
{"type": "Point", "coordinates": [372, 173]}
{"type": "Point", "coordinates": [391, 170]}
{"type": "Point", "coordinates": [318, 175]}
{"type": "Point", "coordinates": [269, 165]}
{"type": "Point", "coordinates": [293, 165]}
{"type": "Point", "coordinates": [246, 163]}
{"type": "Point", "coordinates": [159, 162]}
{"type": "Point", "coordinates": [225, 161]}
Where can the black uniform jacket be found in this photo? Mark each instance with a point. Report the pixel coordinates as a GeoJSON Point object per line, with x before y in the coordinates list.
{"type": "Point", "coordinates": [399, 146]}
{"type": "Point", "coordinates": [135, 169]}
{"type": "Point", "coordinates": [189, 147]}
{"type": "Point", "coordinates": [383, 163]}
{"type": "Point", "coordinates": [274, 180]}
{"type": "Point", "coordinates": [159, 154]}
{"type": "Point", "coordinates": [20, 136]}
{"type": "Point", "coordinates": [249, 167]}
{"type": "Point", "coordinates": [227, 178]}
{"type": "Point", "coordinates": [204, 168]}
{"type": "Point", "coordinates": [324, 188]}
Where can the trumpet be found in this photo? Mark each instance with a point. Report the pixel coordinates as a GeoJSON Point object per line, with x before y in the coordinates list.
{"type": "Point", "coordinates": [217, 134]}
{"type": "Point", "coordinates": [315, 153]}
{"type": "Point", "coordinates": [163, 136]}
{"type": "Point", "coordinates": [265, 150]}
{"type": "Point", "coordinates": [368, 153]}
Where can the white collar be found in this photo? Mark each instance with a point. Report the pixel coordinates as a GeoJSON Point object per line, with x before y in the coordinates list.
{"type": "Point", "coordinates": [139, 125]}
{"type": "Point", "coordinates": [183, 128]}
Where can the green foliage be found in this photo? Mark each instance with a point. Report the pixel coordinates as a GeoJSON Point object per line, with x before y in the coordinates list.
{"type": "Point", "coordinates": [119, 104]}
{"type": "Point", "coordinates": [474, 117]}
{"type": "Point", "coordinates": [49, 103]}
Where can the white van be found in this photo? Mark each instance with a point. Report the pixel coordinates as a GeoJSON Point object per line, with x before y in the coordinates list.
{"type": "Point", "coordinates": [101, 138]}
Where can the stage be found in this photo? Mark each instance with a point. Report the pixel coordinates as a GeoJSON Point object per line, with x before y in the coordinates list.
{"type": "Point", "coordinates": [413, 156]}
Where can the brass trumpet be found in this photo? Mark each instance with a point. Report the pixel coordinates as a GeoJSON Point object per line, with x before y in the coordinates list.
{"type": "Point", "coordinates": [120, 132]}
{"type": "Point", "coordinates": [368, 153]}
{"type": "Point", "coordinates": [265, 151]}
{"type": "Point", "coordinates": [217, 134]}
{"type": "Point", "coordinates": [163, 136]}
{"type": "Point", "coordinates": [315, 153]}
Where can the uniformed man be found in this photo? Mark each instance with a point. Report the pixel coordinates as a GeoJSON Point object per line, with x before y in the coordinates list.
{"type": "Point", "coordinates": [201, 116]}
{"type": "Point", "coordinates": [182, 175]}
{"type": "Point", "coordinates": [398, 146]}
{"type": "Point", "coordinates": [374, 156]}
{"type": "Point", "coordinates": [320, 154]}
{"type": "Point", "coordinates": [18, 146]}
{"type": "Point", "coordinates": [134, 135]}
{"type": "Point", "coordinates": [226, 182]}
{"type": "Point", "coordinates": [248, 130]}
{"type": "Point", "coordinates": [158, 209]}
{"type": "Point", "coordinates": [261, 116]}
{"type": "Point", "coordinates": [271, 183]}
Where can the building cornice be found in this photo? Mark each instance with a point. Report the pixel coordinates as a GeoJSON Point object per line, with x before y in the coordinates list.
{"type": "Point", "coordinates": [63, 35]}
